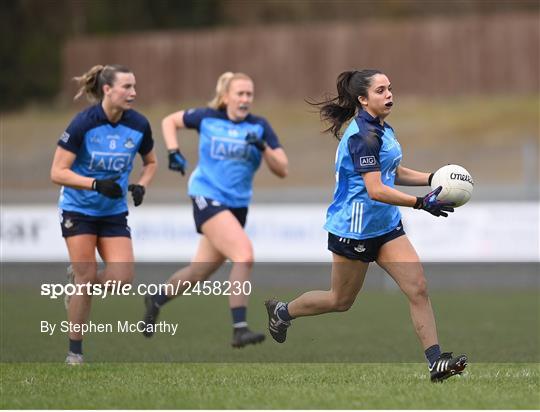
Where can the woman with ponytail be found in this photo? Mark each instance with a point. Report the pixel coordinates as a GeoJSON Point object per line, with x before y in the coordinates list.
{"type": "Point", "coordinates": [232, 144]}
{"type": "Point", "coordinates": [92, 163]}
{"type": "Point", "coordinates": [364, 222]}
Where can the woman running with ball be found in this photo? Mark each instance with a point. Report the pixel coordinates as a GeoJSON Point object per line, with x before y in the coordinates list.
{"type": "Point", "coordinates": [364, 221]}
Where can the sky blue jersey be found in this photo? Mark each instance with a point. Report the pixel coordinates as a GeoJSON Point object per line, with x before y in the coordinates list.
{"type": "Point", "coordinates": [366, 146]}
{"type": "Point", "coordinates": [226, 163]}
{"type": "Point", "coordinates": [104, 150]}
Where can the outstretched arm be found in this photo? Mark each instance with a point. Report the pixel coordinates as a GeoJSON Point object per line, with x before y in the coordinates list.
{"type": "Point", "coordinates": [410, 177]}
{"type": "Point", "coordinates": [380, 192]}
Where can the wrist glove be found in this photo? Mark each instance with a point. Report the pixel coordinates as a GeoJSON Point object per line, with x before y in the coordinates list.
{"type": "Point", "coordinates": [252, 139]}
{"type": "Point", "coordinates": [430, 178]}
{"type": "Point", "coordinates": [430, 204]}
{"type": "Point", "coordinates": [177, 162]}
{"type": "Point", "coordinates": [108, 187]}
{"type": "Point", "coordinates": [137, 192]}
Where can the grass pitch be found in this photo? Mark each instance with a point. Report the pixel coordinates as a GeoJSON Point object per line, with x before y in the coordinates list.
{"type": "Point", "coordinates": [266, 386]}
{"type": "Point", "coordinates": [367, 358]}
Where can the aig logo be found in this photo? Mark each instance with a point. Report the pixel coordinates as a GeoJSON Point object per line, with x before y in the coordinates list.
{"type": "Point", "coordinates": [114, 162]}
{"type": "Point", "coordinates": [225, 148]}
{"type": "Point", "coordinates": [368, 161]}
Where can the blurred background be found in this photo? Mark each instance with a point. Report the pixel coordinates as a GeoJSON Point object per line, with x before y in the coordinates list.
{"type": "Point", "coordinates": [465, 77]}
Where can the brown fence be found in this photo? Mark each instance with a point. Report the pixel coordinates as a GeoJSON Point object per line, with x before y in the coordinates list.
{"type": "Point", "coordinates": [436, 56]}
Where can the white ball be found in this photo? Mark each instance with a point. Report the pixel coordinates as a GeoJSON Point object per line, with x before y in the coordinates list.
{"type": "Point", "coordinates": [457, 184]}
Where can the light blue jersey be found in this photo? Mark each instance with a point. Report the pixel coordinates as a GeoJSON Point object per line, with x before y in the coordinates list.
{"type": "Point", "coordinates": [366, 146]}
{"type": "Point", "coordinates": [104, 150]}
{"type": "Point", "coordinates": [227, 164]}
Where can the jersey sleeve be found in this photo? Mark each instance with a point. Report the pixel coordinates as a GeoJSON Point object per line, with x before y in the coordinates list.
{"type": "Point", "coordinates": [73, 136]}
{"type": "Point", "coordinates": [270, 136]}
{"type": "Point", "coordinates": [147, 143]}
{"type": "Point", "coordinates": [194, 117]}
{"type": "Point", "coordinates": [365, 152]}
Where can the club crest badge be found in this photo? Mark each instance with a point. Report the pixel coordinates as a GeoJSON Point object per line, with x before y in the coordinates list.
{"type": "Point", "coordinates": [129, 144]}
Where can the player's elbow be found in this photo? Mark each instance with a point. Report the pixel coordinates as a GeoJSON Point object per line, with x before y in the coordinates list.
{"type": "Point", "coordinates": [170, 122]}
{"type": "Point", "coordinates": [375, 193]}
{"type": "Point", "coordinates": [282, 172]}
{"type": "Point", "coordinates": [55, 176]}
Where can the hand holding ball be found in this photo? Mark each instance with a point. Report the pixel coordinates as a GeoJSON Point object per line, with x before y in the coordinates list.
{"type": "Point", "coordinates": [457, 184]}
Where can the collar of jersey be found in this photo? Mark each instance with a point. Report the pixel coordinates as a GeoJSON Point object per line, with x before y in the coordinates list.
{"type": "Point", "coordinates": [223, 112]}
{"type": "Point", "coordinates": [366, 116]}
{"type": "Point", "coordinates": [103, 116]}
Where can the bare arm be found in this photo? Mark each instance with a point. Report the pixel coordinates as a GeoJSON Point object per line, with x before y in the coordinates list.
{"type": "Point", "coordinates": [169, 125]}
{"type": "Point", "coordinates": [277, 161]}
{"type": "Point", "coordinates": [410, 177]}
{"type": "Point", "coordinates": [380, 192]}
{"type": "Point", "coordinates": [61, 172]}
{"type": "Point", "coordinates": [149, 168]}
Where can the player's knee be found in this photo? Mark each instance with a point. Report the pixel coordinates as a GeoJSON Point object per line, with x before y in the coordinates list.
{"type": "Point", "coordinates": [120, 272]}
{"type": "Point", "coordinates": [342, 303]}
{"type": "Point", "coordinates": [418, 289]}
{"type": "Point", "coordinates": [244, 256]}
{"type": "Point", "coordinates": [85, 272]}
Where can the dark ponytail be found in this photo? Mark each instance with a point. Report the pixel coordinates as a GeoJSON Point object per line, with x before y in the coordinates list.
{"type": "Point", "coordinates": [344, 106]}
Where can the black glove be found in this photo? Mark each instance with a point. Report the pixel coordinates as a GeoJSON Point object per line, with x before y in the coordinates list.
{"type": "Point", "coordinates": [177, 162]}
{"type": "Point", "coordinates": [252, 139]}
{"type": "Point", "coordinates": [430, 204]}
{"type": "Point", "coordinates": [137, 192]}
{"type": "Point", "coordinates": [430, 178]}
{"type": "Point", "coordinates": [108, 187]}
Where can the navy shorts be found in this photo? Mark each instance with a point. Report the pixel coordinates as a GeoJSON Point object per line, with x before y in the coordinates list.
{"type": "Point", "coordinates": [74, 223]}
{"type": "Point", "coordinates": [204, 208]}
{"type": "Point", "coordinates": [366, 250]}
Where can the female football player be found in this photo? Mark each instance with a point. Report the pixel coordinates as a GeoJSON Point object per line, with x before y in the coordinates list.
{"type": "Point", "coordinates": [232, 144]}
{"type": "Point", "coordinates": [92, 163]}
{"type": "Point", "coordinates": [364, 222]}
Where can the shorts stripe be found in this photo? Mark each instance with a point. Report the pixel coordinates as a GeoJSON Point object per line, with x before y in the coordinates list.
{"type": "Point", "coordinates": [201, 202]}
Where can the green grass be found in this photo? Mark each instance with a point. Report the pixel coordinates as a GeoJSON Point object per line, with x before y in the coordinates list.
{"type": "Point", "coordinates": [266, 386]}
{"type": "Point", "coordinates": [366, 358]}
{"type": "Point", "coordinates": [490, 326]}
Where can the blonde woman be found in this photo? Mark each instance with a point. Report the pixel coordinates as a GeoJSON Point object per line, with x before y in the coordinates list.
{"type": "Point", "coordinates": [92, 163]}
{"type": "Point", "coordinates": [232, 144]}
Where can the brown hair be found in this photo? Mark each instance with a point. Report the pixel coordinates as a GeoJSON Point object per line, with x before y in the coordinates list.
{"type": "Point", "coordinates": [222, 87]}
{"type": "Point", "coordinates": [344, 106]}
{"type": "Point", "coordinates": [91, 83]}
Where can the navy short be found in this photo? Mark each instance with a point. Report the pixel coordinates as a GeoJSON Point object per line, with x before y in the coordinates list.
{"type": "Point", "coordinates": [204, 208]}
{"type": "Point", "coordinates": [74, 223]}
{"type": "Point", "coordinates": [366, 250]}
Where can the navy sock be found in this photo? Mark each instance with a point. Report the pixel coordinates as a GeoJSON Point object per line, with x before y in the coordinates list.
{"type": "Point", "coordinates": [432, 354]}
{"type": "Point", "coordinates": [239, 317]}
{"type": "Point", "coordinates": [160, 299]}
{"type": "Point", "coordinates": [75, 346]}
{"type": "Point", "coordinates": [283, 313]}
